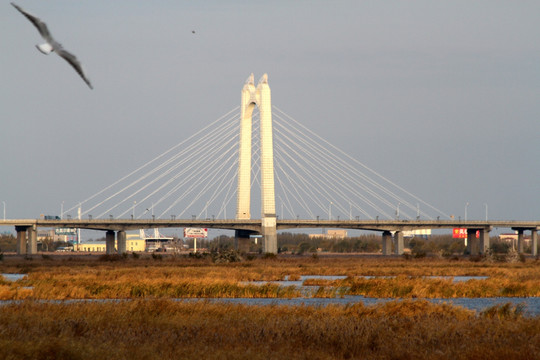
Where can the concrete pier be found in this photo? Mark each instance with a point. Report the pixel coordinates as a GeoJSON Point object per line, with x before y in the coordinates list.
{"type": "Point", "coordinates": [534, 242]}
{"type": "Point", "coordinates": [121, 240]}
{"type": "Point", "coordinates": [269, 234]}
{"type": "Point", "coordinates": [472, 242]}
{"type": "Point", "coordinates": [484, 240]}
{"type": "Point", "coordinates": [242, 240]}
{"type": "Point", "coordinates": [21, 239]}
{"type": "Point", "coordinates": [520, 242]}
{"type": "Point", "coordinates": [387, 243]}
{"type": "Point", "coordinates": [110, 242]}
{"type": "Point", "coordinates": [398, 242]}
{"type": "Point", "coordinates": [32, 240]}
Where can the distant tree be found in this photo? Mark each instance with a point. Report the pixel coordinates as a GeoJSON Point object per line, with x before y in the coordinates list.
{"type": "Point", "coordinates": [47, 244]}
{"type": "Point", "coordinates": [500, 247]}
{"type": "Point", "coordinates": [8, 242]}
{"type": "Point", "coordinates": [305, 247]}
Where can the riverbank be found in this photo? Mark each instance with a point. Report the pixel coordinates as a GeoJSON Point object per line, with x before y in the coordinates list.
{"type": "Point", "coordinates": [148, 329]}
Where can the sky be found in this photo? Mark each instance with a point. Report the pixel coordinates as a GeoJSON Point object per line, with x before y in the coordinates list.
{"type": "Point", "coordinates": [440, 97]}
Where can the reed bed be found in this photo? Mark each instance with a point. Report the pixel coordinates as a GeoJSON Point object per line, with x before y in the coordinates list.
{"type": "Point", "coordinates": [193, 330]}
{"type": "Point", "coordinates": [86, 277]}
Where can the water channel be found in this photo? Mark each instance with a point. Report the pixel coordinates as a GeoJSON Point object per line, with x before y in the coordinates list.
{"type": "Point", "coordinates": [531, 304]}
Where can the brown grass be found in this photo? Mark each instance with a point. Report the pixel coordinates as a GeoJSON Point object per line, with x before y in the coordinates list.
{"type": "Point", "coordinates": [193, 330]}
{"type": "Point", "coordinates": [87, 277]}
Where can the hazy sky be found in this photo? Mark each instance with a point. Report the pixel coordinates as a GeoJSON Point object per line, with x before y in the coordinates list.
{"type": "Point", "coordinates": [442, 97]}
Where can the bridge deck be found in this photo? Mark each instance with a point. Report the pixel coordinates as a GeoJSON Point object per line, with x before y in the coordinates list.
{"type": "Point", "coordinates": [255, 224]}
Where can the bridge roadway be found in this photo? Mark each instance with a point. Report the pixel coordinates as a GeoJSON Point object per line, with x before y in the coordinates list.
{"type": "Point", "coordinates": [387, 227]}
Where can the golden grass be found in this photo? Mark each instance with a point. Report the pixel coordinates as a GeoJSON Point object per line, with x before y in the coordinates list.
{"type": "Point", "coordinates": [193, 330]}
{"type": "Point", "coordinates": [178, 277]}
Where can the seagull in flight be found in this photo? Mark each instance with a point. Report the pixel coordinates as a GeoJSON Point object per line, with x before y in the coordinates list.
{"type": "Point", "coordinates": [51, 45]}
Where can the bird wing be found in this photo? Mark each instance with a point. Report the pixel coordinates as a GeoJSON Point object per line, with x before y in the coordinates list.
{"type": "Point", "coordinates": [74, 62]}
{"type": "Point", "coordinates": [40, 25]}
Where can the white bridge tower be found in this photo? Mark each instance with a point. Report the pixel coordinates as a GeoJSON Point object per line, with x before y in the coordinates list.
{"type": "Point", "coordinates": [260, 97]}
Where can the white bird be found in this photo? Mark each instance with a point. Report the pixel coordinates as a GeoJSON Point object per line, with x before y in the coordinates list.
{"type": "Point", "coordinates": [51, 45]}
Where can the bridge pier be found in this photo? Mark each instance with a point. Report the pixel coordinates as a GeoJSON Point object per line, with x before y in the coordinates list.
{"type": "Point", "coordinates": [398, 242]}
{"type": "Point", "coordinates": [521, 239]}
{"type": "Point", "coordinates": [121, 240]}
{"type": "Point", "coordinates": [534, 242]}
{"type": "Point", "coordinates": [242, 240]}
{"type": "Point", "coordinates": [484, 240]}
{"type": "Point", "coordinates": [109, 242]}
{"type": "Point", "coordinates": [32, 240]}
{"type": "Point", "coordinates": [21, 239]}
{"type": "Point", "coordinates": [387, 243]}
{"type": "Point", "coordinates": [472, 242]}
{"type": "Point", "coordinates": [269, 233]}
{"type": "Point", "coordinates": [520, 242]}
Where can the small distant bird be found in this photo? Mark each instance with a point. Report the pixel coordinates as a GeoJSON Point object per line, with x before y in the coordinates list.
{"type": "Point", "coordinates": [51, 45]}
{"type": "Point", "coordinates": [193, 31]}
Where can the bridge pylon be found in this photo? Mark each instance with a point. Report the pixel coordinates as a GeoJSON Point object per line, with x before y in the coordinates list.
{"type": "Point", "coordinates": [259, 96]}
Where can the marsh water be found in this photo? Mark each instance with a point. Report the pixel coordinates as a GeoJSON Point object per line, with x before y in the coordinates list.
{"type": "Point", "coordinates": [531, 304]}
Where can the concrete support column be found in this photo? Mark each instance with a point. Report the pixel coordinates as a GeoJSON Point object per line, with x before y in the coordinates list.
{"type": "Point", "coordinates": [534, 242]}
{"type": "Point", "coordinates": [472, 242]}
{"type": "Point", "coordinates": [520, 244]}
{"type": "Point", "coordinates": [121, 240]}
{"type": "Point", "coordinates": [484, 240]}
{"type": "Point", "coordinates": [386, 243]}
{"type": "Point", "coordinates": [241, 240]}
{"type": "Point", "coordinates": [269, 233]}
{"type": "Point", "coordinates": [110, 242]}
{"type": "Point", "coordinates": [21, 239]}
{"type": "Point", "coordinates": [32, 240]}
{"type": "Point", "coordinates": [398, 242]}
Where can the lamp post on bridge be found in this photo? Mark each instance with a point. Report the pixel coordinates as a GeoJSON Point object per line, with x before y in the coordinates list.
{"type": "Point", "coordinates": [3, 202]}
{"type": "Point", "coordinates": [330, 211]}
{"type": "Point", "coordinates": [62, 210]}
{"type": "Point", "coordinates": [486, 211]}
{"type": "Point", "coordinates": [466, 206]}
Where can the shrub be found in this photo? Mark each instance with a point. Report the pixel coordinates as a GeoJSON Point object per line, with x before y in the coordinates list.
{"type": "Point", "coordinates": [269, 256]}
{"type": "Point", "coordinates": [504, 311]}
{"type": "Point", "coordinates": [110, 257]}
{"type": "Point", "coordinates": [226, 257]}
{"type": "Point", "coordinates": [475, 258]}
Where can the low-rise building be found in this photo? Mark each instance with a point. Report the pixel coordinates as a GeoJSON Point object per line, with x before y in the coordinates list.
{"type": "Point", "coordinates": [331, 234]}
{"type": "Point", "coordinates": [133, 244]}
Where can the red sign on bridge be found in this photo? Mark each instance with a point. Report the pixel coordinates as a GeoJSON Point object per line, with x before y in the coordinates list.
{"type": "Point", "coordinates": [461, 233]}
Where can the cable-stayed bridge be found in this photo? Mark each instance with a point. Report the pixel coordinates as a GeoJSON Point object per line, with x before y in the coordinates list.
{"type": "Point", "coordinates": [257, 156]}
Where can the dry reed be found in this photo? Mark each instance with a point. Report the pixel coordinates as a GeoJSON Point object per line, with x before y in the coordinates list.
{"type": "Point", "coordinates": [192, 330]}
{"type": "Point", "coordinates": [177, 277]}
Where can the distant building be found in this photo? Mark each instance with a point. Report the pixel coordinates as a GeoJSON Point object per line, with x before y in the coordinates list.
{"type": "Point", "coordinates": [330, 234]}
{"type": "Point", "coordinates": [512, 238]}
{"type": "Point", "coordinates": [133, 243]}
{"type": "Point", "coordinates": [54, 235]}
{"type": "Point", "coordinates": [422, 233]}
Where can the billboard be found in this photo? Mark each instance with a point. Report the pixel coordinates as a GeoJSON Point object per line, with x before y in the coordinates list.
{"type": "Point", "coordinates": [424, 233]}
{"type": "Point", "coordinates": [461, 233]}
{"type": "Point", "coordinates": [195, 233]}
{"type": "Point", "coordinates": [65, 231]}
